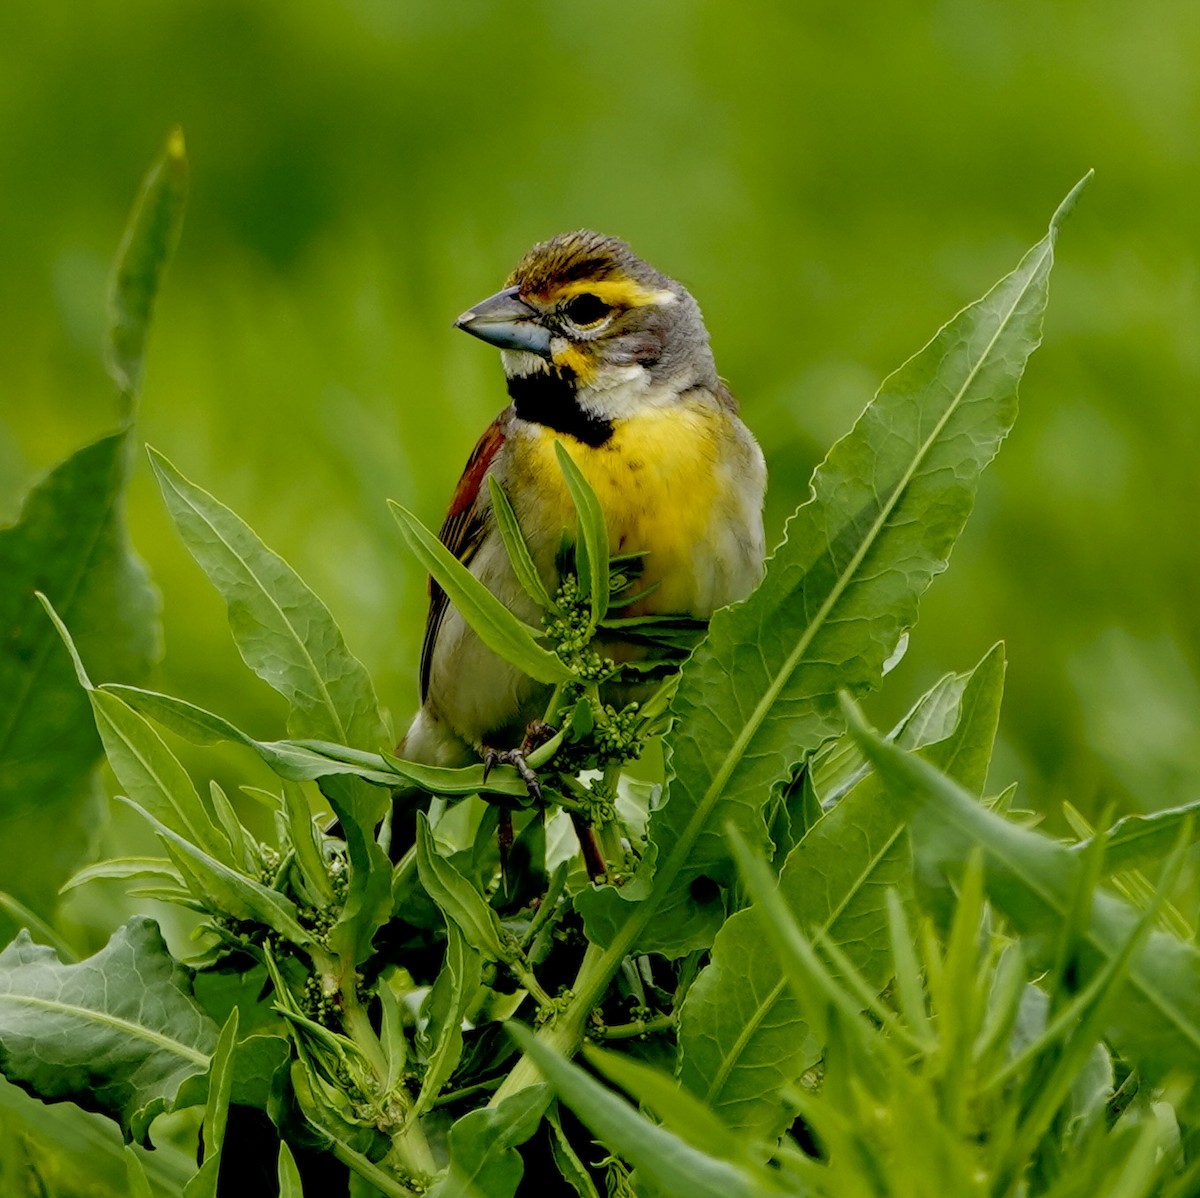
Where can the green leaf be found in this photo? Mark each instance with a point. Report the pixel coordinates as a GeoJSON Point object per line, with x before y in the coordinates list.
{"type": "Point", "coordinates": [760, 694]}
{"type": "Point", "coordinates": [123, 868]}
{"type": "Point", "coordinates": [224, 891]}
{"type": "Point", "coordinates": [493, 623]}
{"type": "Point", "coordinates": [151, 775]}
{"type": "Point", "coordinates": [296, 761]}
{"type": "Point", "coordinates": [677, 1109]}
{"type": "Point", "coordinates": [146, 250]}
{"type": "Point", "coordinates": [284, 633]}
{"type": "Point", "coordinates": [1030, 879]}
{"type": "Point", "coordinates": [70, 542]}
{"type": "Point", "coordinates": [216, 1112]}
{"type": "Point", "coordinates": [484, 1162]}
{"type": "Point", "coordinates": [457, 898]}
{"type": "Point", "coordinates": [117, 1033]}
{"type": "Point", "coordinates": [591, 565]}
{"type": "Point", "coordinates": [368, 904]}
{"type": "Point", "coordinates": [567, 1160]}
{"type": "Point", "coordinates": [139, 1183]}
{"type": "Point", "coordinates": [669, 1161]}
{"type": "Point", "coordinates": [518, 551]}
{"type": "Point", "coordinates": [306, 840]}
{"type": "Point", "coordinates": [289, 1176]}
{"type": "Point", "coordinates": [1141, 841]}
{"type": "Point", "coordinates": [444, 1009]}
{"type": "Point", "coordinates": [743, 1038]}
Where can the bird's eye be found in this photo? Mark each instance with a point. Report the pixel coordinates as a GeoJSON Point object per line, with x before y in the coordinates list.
{"type": "Point", "coordinates": [586, 310]}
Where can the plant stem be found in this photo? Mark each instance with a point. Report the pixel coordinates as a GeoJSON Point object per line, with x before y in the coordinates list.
{"type": "Point", "coordinates": [639, 1027]}
{"type": "Point", "coordinates": [379, 1178]}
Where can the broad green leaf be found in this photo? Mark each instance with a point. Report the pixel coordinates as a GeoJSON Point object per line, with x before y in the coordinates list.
{"type": "Point", "coordinates": [444, 1010]}
{"type": "Point", "coordinates": [484, 1162]}
{"type": "Point", "coordinates": [224, 891]}
{"type": "Point", "coordinates": [289, 1176]}
{"type": "Point", "coordinates": [284, 633]}
{"type": "Point", "coordinates": [69, 542]}
{"type": "Point", "coordinates": [1030, 879]}
{"type": "Point", "coordinates": [760, 694]}
{"type": "Point", "coordinates": [743, 1038]}
{"type": "Point", "coordinates": [591, 546]}
{"type": "Point", "coordinates": [117, 1033]}
{"type": "Point", "coordinates": [518, 551]}
{"type": "Point", "coordinates": [146, 250]}
{"type": "Point", "coordinates": [139, 1183]}
{"type": "Point", "coordinates": [493, 623]}
{"type": "Point", "coordinates": [216, 1112]}
{"type": "Point", "coordinates": [88, 1151]}
{"type": "Point", "coordinates": [457, 898]}
{"type": "Point", "coordinates": [242, 854]}
{"type": "Point", "coordinates": [670, 1162]}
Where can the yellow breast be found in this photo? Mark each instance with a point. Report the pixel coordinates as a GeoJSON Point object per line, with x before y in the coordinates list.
{"type": "Point", "coordinates": [657, 479]}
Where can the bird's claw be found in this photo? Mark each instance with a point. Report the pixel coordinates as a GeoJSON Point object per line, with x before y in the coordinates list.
{"type": "Point", "coordinates": [515, 758]}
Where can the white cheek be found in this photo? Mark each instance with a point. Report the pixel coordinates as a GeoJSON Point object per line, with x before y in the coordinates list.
{"type": "Point", "coordinates": [520, 362]}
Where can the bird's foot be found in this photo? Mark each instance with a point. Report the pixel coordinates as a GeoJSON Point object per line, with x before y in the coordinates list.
{"type": "Point", "coordinates": [537, 733]}
{"type": "Point", "coordinates": [515, 758]}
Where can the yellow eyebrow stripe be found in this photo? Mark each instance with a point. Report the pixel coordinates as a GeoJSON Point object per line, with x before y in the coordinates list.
{"type": "Point", "coordinates": [619, 293]}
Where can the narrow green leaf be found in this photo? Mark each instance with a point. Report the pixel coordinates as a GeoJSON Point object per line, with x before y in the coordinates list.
{"type": "Point", "coordinates": [292, 760]}
{"type": "Point", "coordinates": [761, 692]}
{"type": "Point", "coordinates": [146, 250]}
{"type": "Point", "coordinates": [457, 898]}
{"type": "Point", "coordinates": [368, 904]}
{"type": "Point", "coordinates": [666, 1159]}
{"type": "Point", "coordinates": [289, 1176]}
{"type": "Point", "coordinates": [216, 1112]}
{"type": "Point", "coordinates": [226, 892]}
{"type": "Point", "coordinates": [1029, 879]}
{"type": "Point", "coordinates": [284, 633]}
{"type": "Point", "coordinates": [1141, 841]}
{"type": "Point", "coordinates": [518, 551]}
{"type": "Point", "coordinates": [69, 542]}
{"type": "Point", "coordinates": [118, 1033]}
{"type": "Point", "coordinates": [306, 840]}
{"type": "Point", "coordinates": [743, 1037]}
{"type": "Point", "coordinates": [494, 624]}
{"type": "Point", "coordinates": [391, 1036]}
{"type": "Point", "coordinates": [591, 565]}
{"type": "Point", "coordinates": [573, 1170]}
{"type": "Point", "coordinates": [677, 1109]}
{"type": "Point", "coordinates": [444, 1009]}
{"type": "Point", "coordinates": [123, 868]}
{"type": "Point", "coordinates": [35, 925]}
{"type": "Point", "coordinates": [151, 774]}
{"type": "Point", "coordinates": [227, 820]}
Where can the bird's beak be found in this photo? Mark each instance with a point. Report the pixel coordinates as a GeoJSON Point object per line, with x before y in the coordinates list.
{"type": "Point", "coordinates": [507, 321]}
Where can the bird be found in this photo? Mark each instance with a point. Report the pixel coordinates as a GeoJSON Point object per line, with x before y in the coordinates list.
{"type": "Point", "coordinates": [610, 357]}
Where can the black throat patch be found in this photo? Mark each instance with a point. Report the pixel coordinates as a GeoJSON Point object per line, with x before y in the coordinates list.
{"type": "Point", "coordinates": [548, 397]}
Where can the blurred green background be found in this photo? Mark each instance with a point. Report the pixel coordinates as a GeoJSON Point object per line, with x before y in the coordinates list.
{"type": "Point", "coordinates": [832, 181]}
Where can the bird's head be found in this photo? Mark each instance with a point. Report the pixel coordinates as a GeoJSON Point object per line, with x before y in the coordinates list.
{"type": "Point", "coordinates": [591, 334]}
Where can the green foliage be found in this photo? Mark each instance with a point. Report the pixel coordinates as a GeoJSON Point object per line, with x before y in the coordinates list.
{"type": "Point", "coordinates": [822, 962]}
{"type": "Point", "coordinates": [119, 1032]}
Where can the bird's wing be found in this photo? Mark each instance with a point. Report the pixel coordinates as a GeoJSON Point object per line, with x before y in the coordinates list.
{"type": "Point", "coordinates": [461, 533]}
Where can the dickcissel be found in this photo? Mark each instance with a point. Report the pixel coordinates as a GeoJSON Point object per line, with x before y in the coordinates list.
{"type": "Point", "coordinates": [610, 357]}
